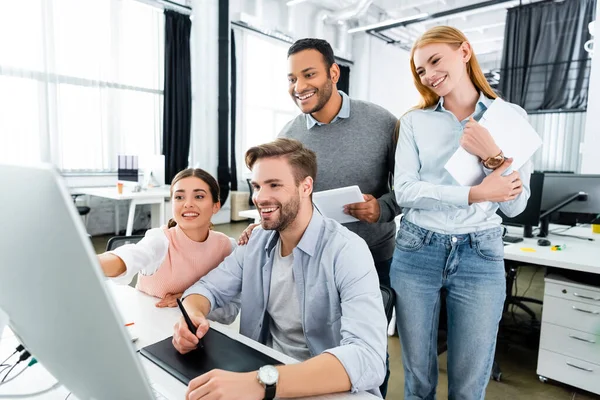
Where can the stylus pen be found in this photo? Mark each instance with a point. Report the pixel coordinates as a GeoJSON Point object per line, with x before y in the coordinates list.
{"type": "Point", "coordinates": [189, 322]}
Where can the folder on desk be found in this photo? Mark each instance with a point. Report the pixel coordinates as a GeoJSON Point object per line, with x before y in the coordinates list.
{"type": "Point", "coordinates": [220, 351]}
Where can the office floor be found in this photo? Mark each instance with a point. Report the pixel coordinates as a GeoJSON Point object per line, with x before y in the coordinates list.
{"type": "Point", "coordinates": [516, 350]}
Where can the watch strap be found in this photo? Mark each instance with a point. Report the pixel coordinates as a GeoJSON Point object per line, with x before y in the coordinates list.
{"type": "Point", "coordinates": [270, 391]}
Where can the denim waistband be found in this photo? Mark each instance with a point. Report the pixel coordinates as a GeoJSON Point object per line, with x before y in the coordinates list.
{"type": "Point", "coordinates": [452, 239]}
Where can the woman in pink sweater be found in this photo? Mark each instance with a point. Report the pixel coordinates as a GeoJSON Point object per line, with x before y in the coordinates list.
{"type": "Point", "coordinates": [172, 258]}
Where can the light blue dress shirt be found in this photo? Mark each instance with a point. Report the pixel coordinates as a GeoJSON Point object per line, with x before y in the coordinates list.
{"type": "Point", "coordinates": [343, 113]}
{"type": "Point", "coordinates": [430, 196]}
{"type": "Point", "coordinates": [340, 302]}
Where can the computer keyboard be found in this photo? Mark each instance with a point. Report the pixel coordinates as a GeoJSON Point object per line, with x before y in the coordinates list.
{"type": "Point", "coordinates": [512, 239]}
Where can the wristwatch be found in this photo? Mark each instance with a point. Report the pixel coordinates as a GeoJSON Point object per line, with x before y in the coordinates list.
{"type": "Point", "coordinates": [494, 162]}
{"type": "Point", "coordinates": [268, 377]}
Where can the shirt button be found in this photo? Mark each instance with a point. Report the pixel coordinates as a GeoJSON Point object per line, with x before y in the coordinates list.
{"type": "Point", "coordinates": [454, 239]}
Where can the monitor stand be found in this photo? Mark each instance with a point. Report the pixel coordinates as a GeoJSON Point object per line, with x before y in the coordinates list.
{"type": "Point", "coordinates": [528, 231]}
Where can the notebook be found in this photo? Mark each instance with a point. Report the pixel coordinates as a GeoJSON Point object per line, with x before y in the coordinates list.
{"type": "Point", "coordinates": [220, 351]}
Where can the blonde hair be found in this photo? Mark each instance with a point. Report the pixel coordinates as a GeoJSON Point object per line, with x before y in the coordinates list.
{"type": "Point", "coordinates": [453, 37]}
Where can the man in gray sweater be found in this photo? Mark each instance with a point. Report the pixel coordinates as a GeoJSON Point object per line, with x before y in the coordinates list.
{"type": "Point", "coordinates": [354, 143]}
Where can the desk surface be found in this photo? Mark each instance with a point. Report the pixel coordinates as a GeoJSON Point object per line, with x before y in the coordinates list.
{"type": "Point", "coordinates": [110, 192]}
{"type": "Point", "coordinates": [579, 255]}
{"type": "Point", "coordinates": [151, 325]}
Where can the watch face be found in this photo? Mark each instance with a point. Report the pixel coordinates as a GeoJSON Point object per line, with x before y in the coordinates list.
{"type": "Point", "coordinates": [268, 375]}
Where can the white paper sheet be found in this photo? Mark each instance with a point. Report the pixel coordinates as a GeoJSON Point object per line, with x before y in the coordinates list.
{"type": "Point", "coordinates": [511, 132]}
{"type": "Point", "coordinates": [331, 202]}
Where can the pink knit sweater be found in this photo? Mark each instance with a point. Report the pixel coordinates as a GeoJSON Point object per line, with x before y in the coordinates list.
{"type": "Point", "coordinates": [185, 263]}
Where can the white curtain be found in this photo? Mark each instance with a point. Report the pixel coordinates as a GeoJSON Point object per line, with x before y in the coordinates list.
{"type": "Point", "coordinates": [80, 82]}
{"type": "Point", "coordinates": [562, 135]}
{"type": "Point", "coordinates": [264, 105]}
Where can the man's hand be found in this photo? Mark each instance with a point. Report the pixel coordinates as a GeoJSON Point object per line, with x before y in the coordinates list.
{"type": "Point", "coordinates": [245, 236]}
{"type": "Point", "coordinates": [225, 385]}
{"type": "Point", "coordinates": [169, 300]}
{"type": "Point", "coordinates": [368, 211]}
{"type": "Point", "coordinates": [478, 141]}
{"type": "Point", "coordinates": [184, 340]}
{"type": "Point", "coordinates": [497, 188]}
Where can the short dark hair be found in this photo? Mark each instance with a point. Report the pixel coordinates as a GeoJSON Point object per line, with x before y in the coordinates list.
{"type": "Point", "coordinates": [302, 160]}
{"type": "Point", "coordinates": [322, 46]}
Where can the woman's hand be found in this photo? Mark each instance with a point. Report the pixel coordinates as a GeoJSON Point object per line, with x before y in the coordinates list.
{"type": "Point", "coordinates": [478, 141]}
{"type": "Point", "coordinates": [169, 300]}
{"type": "Point", "coordinates": [245, 236]}
{"type": "Point", "coordinates": [497, 188]}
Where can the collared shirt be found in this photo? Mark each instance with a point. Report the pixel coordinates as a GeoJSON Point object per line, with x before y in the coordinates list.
{"type": "Point", "coordinates": [430, 196]}
{"type": "Point", "coordinates": [344, 112]}
{"type": "Point", "coordinates": [340, 302]}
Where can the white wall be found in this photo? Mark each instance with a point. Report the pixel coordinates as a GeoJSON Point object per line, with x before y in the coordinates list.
{"type": "Point", "coordinates": [381, 75]}
{"type": "Point", "coordinates": [591, 143]}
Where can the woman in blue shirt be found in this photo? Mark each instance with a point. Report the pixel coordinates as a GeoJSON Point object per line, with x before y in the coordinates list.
{"type": "Point", "coordinates": [450, 237]}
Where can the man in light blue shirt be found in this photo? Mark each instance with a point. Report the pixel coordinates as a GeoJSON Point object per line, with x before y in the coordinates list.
{"type": "Point", "coordinates": [308, 288]}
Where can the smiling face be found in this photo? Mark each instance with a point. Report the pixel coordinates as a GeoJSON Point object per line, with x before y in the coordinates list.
{"type": "Point", "coordinates": [441, 67]}
{"type": "Point", "coordinates": [276, 195]}
{"type": "Point", "coordinates": [192, 203]}
{"type": "Point", "coordinates": [310, 81]}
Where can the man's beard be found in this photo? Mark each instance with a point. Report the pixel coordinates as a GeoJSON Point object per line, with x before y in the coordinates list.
{"type": "Point", "coordinates": [323, 94]}
{"type": "Point", "coordinates": [287, 214]}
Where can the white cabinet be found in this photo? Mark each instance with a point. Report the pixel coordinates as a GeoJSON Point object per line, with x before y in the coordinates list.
{"type": "Point", "coordinates": [570, 336]}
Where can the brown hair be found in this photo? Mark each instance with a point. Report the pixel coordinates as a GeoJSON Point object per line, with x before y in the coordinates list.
{"type": "Point", "coordinates": [302, 160]}
{"type": "Point", "coordinates": [200, 174]}
{"type": "Point", "coordinates": [453, 37]}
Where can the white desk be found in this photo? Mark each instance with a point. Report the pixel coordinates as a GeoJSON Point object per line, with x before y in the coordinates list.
{"type": "Point", "coordinates": [580, 255]}
{"type": "Point", "coordinates": [570, 329]}
{"type": "Point", "coordinates": [152, 324]}
{"type": "Point", "coordinates": [155, 197]}
{"type": "Point", "coordinates": [252, 214]}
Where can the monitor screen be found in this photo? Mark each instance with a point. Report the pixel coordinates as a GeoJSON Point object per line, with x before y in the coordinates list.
{"type": "Point", "coordinates": [558, 187]}
{"type": "Point", "coordinates": [531, 215]}
{"type": "Point", "coordinates": [128, 168]}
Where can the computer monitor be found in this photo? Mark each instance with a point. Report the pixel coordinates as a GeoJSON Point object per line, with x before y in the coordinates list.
{"type": "Point", "coordinates": [558, 187]}
{"type": "Point", "coordinates": [128, 168]}
{"type": "Point", "coordinates": [51, 287]}
{"type": "Point", "coordinates": [530, 217]}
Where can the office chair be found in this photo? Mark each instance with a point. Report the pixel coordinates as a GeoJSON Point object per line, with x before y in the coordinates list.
{"type": "Point", "coordinates": [389, 300]}
{"type": "Point", "coordinates": [118, 241]}
{"type": "Point", "coordinates": [511, 277]}
{"type": "Point", "coordinates": [82, 210]}
{"type": "Point", "coordinates": [251, 190]}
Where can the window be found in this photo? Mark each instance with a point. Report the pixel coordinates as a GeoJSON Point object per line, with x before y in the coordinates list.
{"type": "Point", "coordinates": [265, 103]}
{"type": "Point", "coordinates": [80, 82]}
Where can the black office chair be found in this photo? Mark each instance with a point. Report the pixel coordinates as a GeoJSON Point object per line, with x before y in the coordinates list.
{"type": "Point", "coordinates": [251, 190]}
{"type": "Point", "coordinates": [389, 300]}
{"type": "Point", "coordinates": [118, 241]}
{"type": "Point", "coordinates": [82, 210]}
{"type": "Point", "coordinates": [511, 276]}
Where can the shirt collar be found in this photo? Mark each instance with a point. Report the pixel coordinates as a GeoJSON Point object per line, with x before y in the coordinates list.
{"type": "Point", "coordinates": [483, 103]}
{"type": "Point", "coordinates": [343, 113]}
{"type": "Point", "coordinates": [309, 239]}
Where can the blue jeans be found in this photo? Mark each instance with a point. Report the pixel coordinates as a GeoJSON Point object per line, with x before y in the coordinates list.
{"type": "Point", "coordinates": [471, 269]}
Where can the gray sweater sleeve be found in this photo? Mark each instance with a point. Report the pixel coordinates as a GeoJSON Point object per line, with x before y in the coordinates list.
{"type": "Point", "coordinates": [388, 207]}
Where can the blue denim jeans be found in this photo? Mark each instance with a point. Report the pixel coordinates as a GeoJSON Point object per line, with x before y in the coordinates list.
{"type": "Point", "coordinates": [471, 269]}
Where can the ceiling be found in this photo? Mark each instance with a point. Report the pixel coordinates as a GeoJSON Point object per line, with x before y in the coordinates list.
{"type": "Point", "coordinates": [483, 26]}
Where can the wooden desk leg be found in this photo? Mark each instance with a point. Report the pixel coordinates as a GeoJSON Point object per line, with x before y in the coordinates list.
{"type": "Point", "coordinates": [130, 218]}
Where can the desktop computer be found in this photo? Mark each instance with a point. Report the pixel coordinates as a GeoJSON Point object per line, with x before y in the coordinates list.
{"type": "Point", "coordinates": [571, 197]}
{"type": "Point", "coordinates": [51, 288]}
{"type": "Point", "coordinates": [530, 217]}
